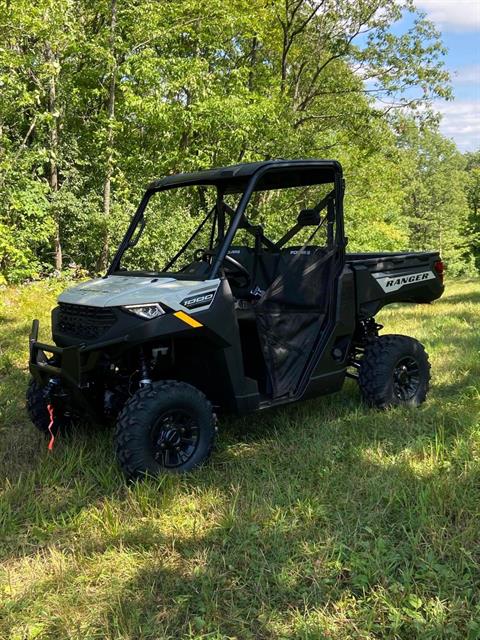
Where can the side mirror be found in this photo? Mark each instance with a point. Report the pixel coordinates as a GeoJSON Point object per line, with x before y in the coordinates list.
{"type": "Point", "coordinates": [308, 218]}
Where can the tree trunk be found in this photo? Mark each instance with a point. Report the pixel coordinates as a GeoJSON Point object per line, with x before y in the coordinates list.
{"type": "Point", "coordinates": [253, 62]}
{"type": "Point", "coordinates": [53, 168]}
{"type": "Point", "coordinates": [250, 85]}
{"type": "Point", "coordinates": [285, 48]}
{"type": "Point", "coordinates": [107, 184]}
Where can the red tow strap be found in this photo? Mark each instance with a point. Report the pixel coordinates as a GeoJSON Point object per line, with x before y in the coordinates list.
{"type": "Point", "coordinates": [52, 437]}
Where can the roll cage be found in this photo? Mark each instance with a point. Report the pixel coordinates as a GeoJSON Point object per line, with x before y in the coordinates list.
{"type": "Point", "coordinates": [245, 179]}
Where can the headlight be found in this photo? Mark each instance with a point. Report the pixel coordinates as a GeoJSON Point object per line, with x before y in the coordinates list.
{"type": "Point", "coordinates": [145, 311]}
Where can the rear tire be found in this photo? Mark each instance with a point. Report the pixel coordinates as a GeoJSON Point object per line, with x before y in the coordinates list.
{"type": "Point", "coordinates": [394, 371]}
{"type": "Point", "coordinates": [165, 427]}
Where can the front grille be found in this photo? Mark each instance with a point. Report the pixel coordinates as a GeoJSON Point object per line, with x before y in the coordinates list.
{"type": "Point", "coordinates": [81, 321]}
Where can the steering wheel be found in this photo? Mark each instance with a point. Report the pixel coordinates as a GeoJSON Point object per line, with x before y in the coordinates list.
{"type": "Point", "coordinates": [235, 267]}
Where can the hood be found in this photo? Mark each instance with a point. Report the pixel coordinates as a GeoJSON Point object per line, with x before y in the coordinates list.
{"type": "Point", "coordinates": [114, 291]}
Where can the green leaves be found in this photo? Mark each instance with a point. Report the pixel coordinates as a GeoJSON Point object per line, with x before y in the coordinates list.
{"type": "Point", "coordinates": [436, 204]}
{"type": "Point", "coordinates": [210, 82]}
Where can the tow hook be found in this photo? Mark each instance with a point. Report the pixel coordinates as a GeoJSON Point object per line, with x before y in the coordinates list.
{"type": "Point", "coordinates": [48, 393]}
{"type": "Point", "coordinates": [50, 427]}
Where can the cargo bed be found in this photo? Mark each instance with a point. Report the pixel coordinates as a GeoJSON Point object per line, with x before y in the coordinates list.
{"type": "Point", "coordinates": [382, 278]}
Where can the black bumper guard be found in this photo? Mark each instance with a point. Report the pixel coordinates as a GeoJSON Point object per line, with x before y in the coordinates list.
{"type": "Point", "coordinates": [70, 362]}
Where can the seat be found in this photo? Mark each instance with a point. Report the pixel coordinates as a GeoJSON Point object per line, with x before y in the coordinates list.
{"type": "Point", "coordinates": [244, 255]}
{"type": "Point", "coordinates": [263, 269]}
{"type": "Point", "coordinates": [300, 278]}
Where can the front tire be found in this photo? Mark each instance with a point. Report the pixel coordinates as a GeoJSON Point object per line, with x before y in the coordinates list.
{"type": "Point", "coordinates": [394, 371]}
{"type": "Point", "coordinates": [38, 412]}
{"type": "Point", "coordinates": [165, 427]}
{"type": "Point", "coordinates": [37, 406]}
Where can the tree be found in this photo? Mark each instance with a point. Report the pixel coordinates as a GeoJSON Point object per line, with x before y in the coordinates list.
{"type": "Point", "coordinates": [107, 184]}
{"type": "Point", "coordinates": [436, 203]}
{"type": "Point", "coordinates": [473, 199]}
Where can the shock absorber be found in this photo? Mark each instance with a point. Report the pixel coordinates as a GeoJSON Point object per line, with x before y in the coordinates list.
{"type": "Point", "coordinates": [144, 369]}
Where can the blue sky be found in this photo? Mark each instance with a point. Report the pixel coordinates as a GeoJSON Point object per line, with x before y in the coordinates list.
{"type": "Point", "coordinates": [459, 22]}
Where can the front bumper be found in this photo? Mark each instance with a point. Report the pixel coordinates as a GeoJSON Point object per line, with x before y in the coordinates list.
{"type": "Point", "coordinates": [69, 364]}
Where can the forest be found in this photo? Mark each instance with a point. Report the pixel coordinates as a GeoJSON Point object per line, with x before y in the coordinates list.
{"type": "Point", "coordinates": [98, 98]}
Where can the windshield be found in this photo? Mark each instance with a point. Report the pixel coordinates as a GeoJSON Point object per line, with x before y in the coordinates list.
{"type": "Point", "coordinates": [176, 219]}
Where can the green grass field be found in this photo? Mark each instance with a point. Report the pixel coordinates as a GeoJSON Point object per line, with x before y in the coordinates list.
{"type": "Point", "coordinates": [322, 520]}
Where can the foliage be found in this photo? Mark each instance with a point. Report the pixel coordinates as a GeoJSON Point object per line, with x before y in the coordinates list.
{"type": "Point", "coordinates": [473, 197]}
{"type": "Point", "coordinates": [320, 520]}
{"type": "Point", "coordinates": [100, 97]}
{"type": "Point", "coordinates": [436, 199]}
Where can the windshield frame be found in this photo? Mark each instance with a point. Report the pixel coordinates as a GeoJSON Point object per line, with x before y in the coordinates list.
{"type": "Point", "coordinates": [225, 239]}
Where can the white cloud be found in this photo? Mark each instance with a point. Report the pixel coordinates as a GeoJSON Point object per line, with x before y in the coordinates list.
{"type": "Point", "coordinates": [455, 15]}
{"type": "Point", "coordinates": [467, 75]}
{"type": "Point", "coordinates": [461, 121]}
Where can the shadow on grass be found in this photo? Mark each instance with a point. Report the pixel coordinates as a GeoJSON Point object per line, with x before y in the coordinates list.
{"type": "Point", "coordinates": [253, 576]}
{"type": "Point", "coordinates": [307, 523]}
{"type": "Point", "coordinates": [462, 298]}
{"type": "Point", "coordinates": [317, 537]}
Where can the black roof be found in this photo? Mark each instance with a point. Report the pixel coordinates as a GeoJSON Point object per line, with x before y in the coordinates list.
{"type": "Point", "coordinates": [233, 179]}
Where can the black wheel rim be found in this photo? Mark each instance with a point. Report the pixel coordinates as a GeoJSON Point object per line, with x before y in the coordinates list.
{"type": "Point", "coordinates": [406, 378]}
{"type": "Point", "coordinates": [174, 438]}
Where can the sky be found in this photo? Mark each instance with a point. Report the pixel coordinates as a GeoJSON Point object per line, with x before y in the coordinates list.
{"type": "Point", "coordinates": [459, 22]}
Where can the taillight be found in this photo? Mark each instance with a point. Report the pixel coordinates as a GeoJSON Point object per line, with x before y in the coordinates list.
{"type": "Point", "coordinates": [439, 269]}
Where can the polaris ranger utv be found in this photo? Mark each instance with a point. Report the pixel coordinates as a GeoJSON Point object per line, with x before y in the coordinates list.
{"type": "Point", "coordinates": [236, 320]}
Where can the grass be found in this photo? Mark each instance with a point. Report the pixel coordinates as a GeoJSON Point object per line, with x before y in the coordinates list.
{"type": "Point", "coordinates": [322, 520]}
